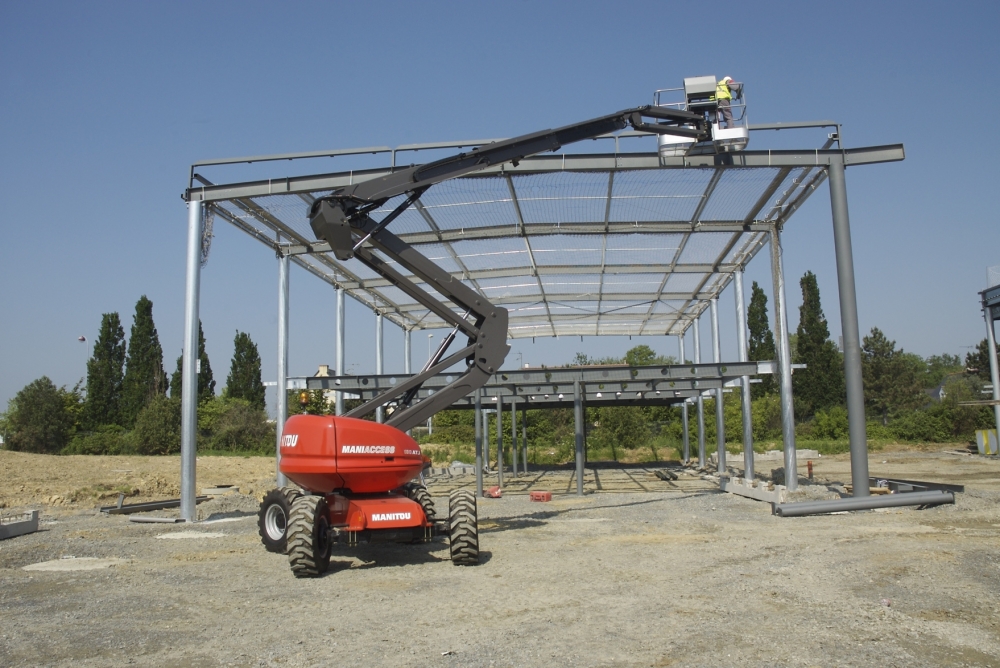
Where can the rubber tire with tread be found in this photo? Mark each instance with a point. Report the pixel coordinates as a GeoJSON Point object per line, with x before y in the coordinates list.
{"type": "Point", "coordinates": [272, 518]}
{"type": "Point", "coordinates": [419, 493]}
{"type": "Point", "coordinates": [308, 541]}
{"type": "Point", "coordinates": [464, 528]}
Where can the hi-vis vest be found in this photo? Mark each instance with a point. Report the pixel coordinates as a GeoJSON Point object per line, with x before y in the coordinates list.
{"type": "Point", "coordinates": [722, 91]}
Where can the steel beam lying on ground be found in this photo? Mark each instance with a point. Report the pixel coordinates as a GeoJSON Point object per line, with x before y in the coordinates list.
{"type": "Point", "coordinates": [934, 498]}
{"type": "Point", "coordinates": [143, 507]}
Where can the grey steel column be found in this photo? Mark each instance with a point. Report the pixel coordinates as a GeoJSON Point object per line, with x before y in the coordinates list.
{"type": "Point", "coordinates": [189, 375]}
{"type": "Point", "coordinates": [991, 341]}
{"type": "Point", "coordinates": [500, 453]}
{"type": "Point", "coordinates": [849, 322]}
{"type": "Point", "coordinates": [406, 352]}
{"type": "Point", "coordinates": [741, 343]}
{"type": "Point", "coordinates": [282, 411]}
{"type": "Point", "coordinates": [578, 427]}
{"type": "Point", "coordinates": [479, 438]}
{"type": "Point", "coordinates": [524, 436]}
{"type": "Point", "coordinates": [701, 400]}
{"type": "Point", "coordinates": [720, 415]}
{"type": "Point", "coordinates": [341, 326]}
{"type": "Point", "coordinates": [513, 435]}
{"type": "Point", "coordinates": [685, 436]}
{"type": "Point", "coordinates": [785, 363]}
{"type": "Point", "coordinates": [379, 359]}
{"type": "Point", "coordinates": [486, 436]}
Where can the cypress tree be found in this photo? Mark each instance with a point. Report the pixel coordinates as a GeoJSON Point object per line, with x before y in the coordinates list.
{"type": "Point", "coordinates": [821, 384]}
{"type": "Point", "coordinates": [890, 379]}
{"type": "Point", "coordinates": [206, 382]}
{"type": "Point", "coordinates": [145, 378]}
{"type": "Point", "coordinates": [105, 375]}
{"type": "Point", "coordinates": [761, 342]}
{"type": "Point", "coordinates": [244, 381]}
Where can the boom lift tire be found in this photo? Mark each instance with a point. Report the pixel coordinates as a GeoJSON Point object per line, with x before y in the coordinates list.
{"type": "Point", "coordinates": [308, 537]}
{"type": "Point", "coordinates": [272, 519]}
{"type": "Point", "coordinates": [417, 492]}
{"type": "Point", "coordinates": [464, 528]}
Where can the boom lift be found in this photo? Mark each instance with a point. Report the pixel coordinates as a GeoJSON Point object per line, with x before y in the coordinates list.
{"type": "Point", "coordinates": [356, 476]}
{"type": "Point", "coordinates": [698, 96]}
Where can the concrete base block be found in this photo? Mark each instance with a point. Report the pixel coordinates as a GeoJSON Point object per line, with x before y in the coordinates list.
{"type": "Point", "coordinates": [754, 489]}
{"type": "Point", "coordinates": [18, 525]}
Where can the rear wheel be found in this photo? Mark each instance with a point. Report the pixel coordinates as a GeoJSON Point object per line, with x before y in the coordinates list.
{"type": "Point", "coordinates": [464, 528]}
{"type": "Point", "coordinates": [308, 537]}
{"type": "Point", "coordinates": [420, 494]}
{"type": "Point", "coordinates": [272, 519]}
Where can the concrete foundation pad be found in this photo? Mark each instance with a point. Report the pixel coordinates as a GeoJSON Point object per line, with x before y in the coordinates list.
{"type": "Point", "coordinates": [754, 489]}
{"type": "Point", "coordinates": [75, 564]}
{"type": "Point", "coordinates": [18, 525]}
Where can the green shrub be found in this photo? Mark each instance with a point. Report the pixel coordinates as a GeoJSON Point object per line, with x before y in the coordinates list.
{"type": "Point", "coordinates": [158, 428]}
{"type": "Point", "coordinates": [41, 417]}
{"type": "Point", "coordinates": [830, 424]}
{"type": "Point", "coordinates": [105, 440]}
{"type": "Point", "coordinates": [234, 426]}
{"type": "Point", "coordinates": [766, 412]}
{"type": "Point", "coordinates": [922, 426]}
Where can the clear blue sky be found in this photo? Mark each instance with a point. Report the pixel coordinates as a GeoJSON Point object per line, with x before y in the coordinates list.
{"type": "Point", "coordinates": [105, 105]}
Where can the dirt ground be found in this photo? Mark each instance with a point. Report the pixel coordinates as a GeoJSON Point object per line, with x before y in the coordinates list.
{"type": "Point", "coordinates": [638, 572]}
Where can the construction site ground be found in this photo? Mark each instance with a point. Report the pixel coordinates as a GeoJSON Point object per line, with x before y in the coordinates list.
{"type": "Point", "coordinates": [637, 572]}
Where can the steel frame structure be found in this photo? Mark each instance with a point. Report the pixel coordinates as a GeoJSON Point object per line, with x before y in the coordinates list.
{"type": "Point", "coordinates": [646, 255]}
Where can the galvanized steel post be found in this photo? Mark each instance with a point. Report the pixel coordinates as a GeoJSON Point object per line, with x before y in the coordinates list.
{"type": "Point", "coordinates": [479, 440]}
{"type": "Point", "coordinates": [720, 416]}
{"type": "Point", "coordinates": [379, 359]}
{"type": "Point", "coordinates": [407, 365]}
{"type": "Point", "coordinates": [701, 400]}
{"type": "Point", "coordinates": [486, 436]}
{"type": "Point", "coordinates": [341, 326]}
{"type": "Point", "coordinates": [189, 374]}
{"type": "Point", "coordinates": [991, 344]}
{"type": "Point", "coordinates": [856, 427]}
{"type": "Point", "coordinates": [282, 410]}
{"type": "Point", "coordinates": [784, 362]}
{"type": "Point", "coordinates": [524, 436]}
{"type": "Point", "coordinates": [500, 453]}
{"type": "Point", "coordinates": [743, 353]}
{"type": "Point", "coordinates": [513, 435]}
{"type": "Point", "coordinates": [578, 427]}
{"type": "Point", "coordinates": [685, 436]}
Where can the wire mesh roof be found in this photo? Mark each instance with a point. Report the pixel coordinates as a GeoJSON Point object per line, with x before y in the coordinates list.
{"type": "Point", "coordinates": [597, 244]}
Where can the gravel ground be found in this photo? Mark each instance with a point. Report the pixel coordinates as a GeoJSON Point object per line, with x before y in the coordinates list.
{"type": "Point", "coordinates": [679, 575]}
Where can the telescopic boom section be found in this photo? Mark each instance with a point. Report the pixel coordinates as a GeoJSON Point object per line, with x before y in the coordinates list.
{"type": "Point", "coordinates": [342, 220]}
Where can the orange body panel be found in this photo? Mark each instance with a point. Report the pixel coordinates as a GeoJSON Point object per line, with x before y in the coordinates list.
{"type": "Point", "coordinates": [322, 453]}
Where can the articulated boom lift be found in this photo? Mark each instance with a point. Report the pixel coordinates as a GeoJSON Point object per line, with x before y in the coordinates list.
{"type": "Point", "coordinates": [356, 475]}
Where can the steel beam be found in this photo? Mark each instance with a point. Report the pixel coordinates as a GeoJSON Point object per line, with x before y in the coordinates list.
{"type": "Point", "coordinates": [379, 359]}
{"type": "Point", "coordinates": [341, 330]}
{"type": "Point", "coordinates": [784, 362]}
{"type": "Point", "coordinates": [701, 400]}
{"type": "Point", "coordinates": [578, 428]}
{"type": "Point", "coordinates": [282, 409]}
{"type": "Point", "coordinates": [685, 436]}
{"type": "Point", "coordinates": [720, 416]}
{"type": "Point", "coordinates": [189, 373]}
{"type": "Point", "coordinates": [479, 442]}
{"type": "Point", "coordinates": [500, 452]}
{"type": "Point", "coordinates": [742, 354]}
{"type": "Point", "coordinates": [513, 435]}
{"type": "Point", "coordinates": [524, 436]}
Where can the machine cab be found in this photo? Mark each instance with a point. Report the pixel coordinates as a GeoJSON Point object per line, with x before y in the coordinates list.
{"type": "Point", "coordinates": [698, 96]}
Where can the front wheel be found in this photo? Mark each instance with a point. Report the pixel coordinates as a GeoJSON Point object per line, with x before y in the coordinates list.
{"type": "Point", "coordinates": [464, 528]}
{"type": "Point", "coordinates": [272, 519]}
{"type": "Point", "coordinates": [308, 537]}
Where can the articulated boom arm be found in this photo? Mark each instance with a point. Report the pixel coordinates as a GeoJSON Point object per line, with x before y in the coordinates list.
{"type": "Point", "coordinates": [342, 220]}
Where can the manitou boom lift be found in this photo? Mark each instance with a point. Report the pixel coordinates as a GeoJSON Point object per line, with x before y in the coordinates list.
{"type": "Point", "coordinates": [356, 475]}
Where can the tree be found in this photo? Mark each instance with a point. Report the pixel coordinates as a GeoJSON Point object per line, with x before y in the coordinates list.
{"type": "Point", "coordinates": [939, 367]}
{"type": "Point", "coordinates": [144, 376]}
{"type": "Point", "coordinates": [244, 381]}
{"type": "Point", "coordinates": [40, 418]}
{"type": "Point", "coordinates": [206, 383]}
{"type": "Point", "coordinates": [821, 384]}
{"type": "Point", "coordinates": [978, 361]}
{"type": "Point", "coordinates": [761, 340]}
{"type": "Point", "coordinates": [105, 375]}
{"type": "Point", "coordinates": [890, 376]}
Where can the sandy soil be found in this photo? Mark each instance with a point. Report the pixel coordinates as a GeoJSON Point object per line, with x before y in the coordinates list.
{"type": "Point", "coordinates": [641, 573]}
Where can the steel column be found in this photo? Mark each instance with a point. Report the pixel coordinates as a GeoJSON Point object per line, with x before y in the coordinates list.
{"type": "Point", "coordinates": [785, 362]}
{"type": "Point", "coordinates": [513, 435]}
{"type": "Point", "coordinates": [406, 352]}
{"type": "Point", "coordinates": [849, 322]}
{"type": "Point", "coordinates": [486, 436]}
{"type": "Point", "coordinates": [500, 453]}
{"type": "Point", "coordinates": [189, 375]}
{"type": "Point", "coordinates": [720, 416]}
{"type": "Point", "coordinates": [341, 327]}
{"type": "Point", "coordinates": [524, 436]}
{"type": "Point", "coordinates": [282, 411]}
{"type": "Point", "coordinates": [479, 438]}
{"type": "Point", "coordinates": [701, 399]}
{"type": "Point", "coordinates": [379, 359]}
{"type": "Point", "coordinates": [578, 428]}
{"type": "Point", "coordinates": [991, 345]}
{"type": "Point", "coordinates": [743, 353]}
{"type": "Point", "coordinates": [685, 436]}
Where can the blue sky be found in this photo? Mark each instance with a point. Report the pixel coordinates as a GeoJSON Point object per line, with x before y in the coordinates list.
{"type": "Point", "coordinates": [105, 105]}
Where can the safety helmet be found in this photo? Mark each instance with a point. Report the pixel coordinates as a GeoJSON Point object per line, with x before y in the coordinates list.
{"type": "Point", "coordinates": [727, 79]}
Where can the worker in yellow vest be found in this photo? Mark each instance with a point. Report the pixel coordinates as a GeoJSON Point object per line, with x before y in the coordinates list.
{"type": "Point", "coordinates": [723, 94]}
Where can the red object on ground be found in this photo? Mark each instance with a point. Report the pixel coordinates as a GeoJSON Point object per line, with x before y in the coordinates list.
{"type": "Point", "coordinates": [810, 467]}
{"type": "Point", "coordinates": [540, 496]}
{"type": "Point", "coordinates": [493, 492]}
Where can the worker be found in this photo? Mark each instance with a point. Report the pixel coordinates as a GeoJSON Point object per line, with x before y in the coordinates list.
{"type": "Point", "coordinates": [723, 94]}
